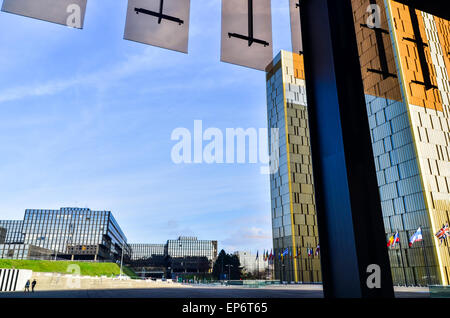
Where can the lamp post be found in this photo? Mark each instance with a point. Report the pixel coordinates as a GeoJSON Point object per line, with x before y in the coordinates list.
{"type": "Point", "coordinates": [229, 271]}
{"type": "Point", "coordinates": [121, 260]}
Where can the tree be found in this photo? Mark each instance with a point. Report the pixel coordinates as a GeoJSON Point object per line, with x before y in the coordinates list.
{"type": "Point", "coordinates": [220, 266]}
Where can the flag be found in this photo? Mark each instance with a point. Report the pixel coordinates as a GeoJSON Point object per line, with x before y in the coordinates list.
{"type": "Point", "coordinates": [286, 251]}
{"type": "Point", "coordinates": [271, 255]}
{"type": "Point", "coordinates": [256, 255]}
{"type": "Point", "coordinates": [417, 237]}
{"type": "Point", "coordinates": [393, 240]}
{"type": "Point", "coordinates": [317, 249]}
{"type": "Point", "coordinates": [443, 232]}
{"type": "Point", "coordinates": [310, 251]}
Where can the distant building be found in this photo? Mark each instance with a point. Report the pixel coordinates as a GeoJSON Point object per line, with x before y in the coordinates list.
{"type": "Point", "coordinates": [183, 255]}
{"type": "Point", "coordinates": [253, 265]}
{"type": "Point", "coordinates": [70, 233]}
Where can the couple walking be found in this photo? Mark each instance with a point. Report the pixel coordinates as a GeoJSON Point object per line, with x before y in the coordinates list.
{"type": "Point", "coordinates": [27, 286]}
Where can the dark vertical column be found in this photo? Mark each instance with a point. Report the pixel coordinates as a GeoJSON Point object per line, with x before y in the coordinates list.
{"type": "Point", "coordinates": [349, 213]}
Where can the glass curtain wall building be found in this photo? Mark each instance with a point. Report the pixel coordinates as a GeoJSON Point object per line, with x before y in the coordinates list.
{"type": "Point", "coordinates": [405, 68]}
{"type": "Point", "coordinates": [73, 233]}
{"type": "Point", "coordinates": [185, 254]}
{"type": "Point", "coordinates": [294, 222]}
{"type": "Point", "coordinates": [14, 234]}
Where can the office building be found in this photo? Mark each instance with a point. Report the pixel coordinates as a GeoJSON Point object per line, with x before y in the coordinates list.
{"type": "Point", "coordinates": [405, 68]}
{"type": "Point", "coordinates": [294, 222]}
{"type": "Point", "coordinates": [69, 233]}
{"type": "Point", "coordinates": [183, 255]}
{"type": "Point", "coordinates": [13, 229]}
{"type": "Point", "coordinates": [259, 267]}
{"type": "Point", "coordinates": [405, 65]}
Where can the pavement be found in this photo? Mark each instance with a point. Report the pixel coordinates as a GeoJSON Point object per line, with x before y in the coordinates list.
{"type": "Point", "coordinates": [202, 291]}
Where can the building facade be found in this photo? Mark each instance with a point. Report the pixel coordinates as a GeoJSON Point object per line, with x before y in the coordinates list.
{"type": "Point", "coordinates": [2, 235]}
{"type": "Point", "coordinates": [183, 255]}
{"type": "Point", "coordinates": [260, 266]}
{"type": "Point", "coordinates": [14, 234]}
{"type": "Point", "coordinates": [70, 233]}
{"type": "Point", "coordinates": [294, 222]}
{"type": "Point", "coordinates": [405, 68]}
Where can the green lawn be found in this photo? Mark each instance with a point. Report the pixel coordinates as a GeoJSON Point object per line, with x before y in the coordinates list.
{"type": "Point", "coordinates": [86, 268]}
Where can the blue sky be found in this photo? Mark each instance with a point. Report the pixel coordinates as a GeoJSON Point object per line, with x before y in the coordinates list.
{"type": "Point", "coordinates": [86, 119]}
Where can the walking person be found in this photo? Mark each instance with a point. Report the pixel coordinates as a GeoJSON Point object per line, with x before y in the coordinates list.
{"type": "Point", "coordinates": [33, 284]}
{"type": "Point", "coordinates": [27, 286]}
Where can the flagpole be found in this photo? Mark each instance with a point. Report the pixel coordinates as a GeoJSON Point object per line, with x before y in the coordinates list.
{"type": "Point", "coordinates": [401, 257]}
{"type": "Point", "coordinates": [425, 258]}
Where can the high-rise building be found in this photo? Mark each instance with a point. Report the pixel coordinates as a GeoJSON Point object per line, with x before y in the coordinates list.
{"type": "Point", "coordinates": [73, 233]}
{"type": "Point", "coordinates": [405, 64]}
{"type": "Point", "coordinates": [294, 222]}
{"type": "Point", "coordinates": [405, 67]}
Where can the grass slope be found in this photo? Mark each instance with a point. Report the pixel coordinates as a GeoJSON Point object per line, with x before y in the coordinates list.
{"type": "Point", "coordinates": [86, 268]}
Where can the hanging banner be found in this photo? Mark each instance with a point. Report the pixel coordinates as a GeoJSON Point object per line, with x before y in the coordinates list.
{"type": "Point", "coordinates": [161, 23]}
{"type": "Point", "coordinates": [66, 12]}
{"type": "Point", "coordinates": [247, 33]}
{"type": "Point", "coordinates": [296, 30]}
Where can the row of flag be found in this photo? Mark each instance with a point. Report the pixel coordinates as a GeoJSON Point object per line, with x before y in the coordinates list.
{"type": "Point", "coordinates": [442, 234]}
{"type": "Point", "coordinates": [246, 36]}
{"type": "Point", "coordinates": [287, 253]}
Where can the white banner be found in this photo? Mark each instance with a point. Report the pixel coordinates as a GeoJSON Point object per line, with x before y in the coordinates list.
{"type": "Point", "coordinates": [162, 23]}
{"type": "Point", "coordinates": [65, 12]}
{"type": "Point", "coordinates": [247, 33]}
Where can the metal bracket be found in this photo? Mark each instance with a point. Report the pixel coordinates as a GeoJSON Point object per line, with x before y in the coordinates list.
{"type": "Point", "coordinates": [250, 38]}
{"type": "Point", "coordinates": [159, 14]}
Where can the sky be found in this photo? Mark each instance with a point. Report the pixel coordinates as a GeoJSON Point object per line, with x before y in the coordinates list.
{"type": "Point", "coordinates": [86, 119]}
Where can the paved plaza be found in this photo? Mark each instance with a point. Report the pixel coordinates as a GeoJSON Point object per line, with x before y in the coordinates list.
{"type": "Point", "coordinates": [199, 291]}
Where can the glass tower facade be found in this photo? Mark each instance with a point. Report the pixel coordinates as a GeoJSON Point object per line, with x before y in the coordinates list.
{"type": "Point", "coordinates": [145, 251]}
{"type": "Point", "coordinates": [294, 222]}
{"type": "Point", "coordinates": [76, 233]}
{"type": "Point", "coordinates": [405, 68]}
{"type": "Point", "coordinates": [185, 254]}
{"type": "Point", "coordinates": [14, 234]}
{"type": "Point", "coordinates": [190, 246]}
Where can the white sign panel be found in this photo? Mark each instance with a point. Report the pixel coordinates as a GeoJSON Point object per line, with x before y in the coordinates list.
{"type": "Point", "coordinates": [162, 23]}
{"type": "Point", "coordinates": [247, 33]}
{"type": "Point", "coordinates": [296, 30]}
{"type": "Point", "coordinates": [65, 12]}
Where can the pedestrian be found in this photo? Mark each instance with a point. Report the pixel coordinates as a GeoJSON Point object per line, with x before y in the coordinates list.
{"type": "Point", "coordinates": [27, 286]}
{"type": "Point", "coordinates": [33, 284]}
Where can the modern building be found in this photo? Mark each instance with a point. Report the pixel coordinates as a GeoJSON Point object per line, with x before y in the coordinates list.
{"type": "Point", "coordinates": [183, 255]}
{"type": "Point", "coordinates": [13, 229]}
{"type": "Point", "coordinates": [24, 251]}
{"type": "Point", "coordinates": [294, 222]}
{"type": "Point", "coordinates": [69, 233]}
{"type": "Point", "coordinates": [405, 68]}
{"type": "Point", "coordinates": [405, 65]}
{"type": "Point", "coordinates": [256, 266]}
{"type": "Point", "coordinates": [2, 235]}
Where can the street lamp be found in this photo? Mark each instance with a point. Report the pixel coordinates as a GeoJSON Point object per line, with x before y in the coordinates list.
{"type": "Point", "coordinates": [121, 259]}
{"type": "Point", "coordinates": [229, 271]}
